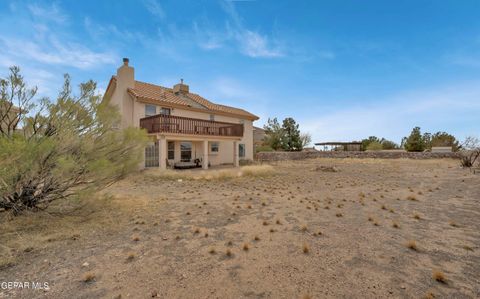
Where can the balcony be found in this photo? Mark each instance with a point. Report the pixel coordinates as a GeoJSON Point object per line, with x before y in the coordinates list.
{"type": "Point", "coordinates": [161, 123]}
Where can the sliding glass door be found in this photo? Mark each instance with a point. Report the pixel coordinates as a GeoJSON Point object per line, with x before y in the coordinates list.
{"type": "Point", "coordinates": [185, 151]}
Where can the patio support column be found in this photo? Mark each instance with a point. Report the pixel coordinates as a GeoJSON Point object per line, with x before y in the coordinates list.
{"type": "Point", "coordinates": [162, 152]}
{"type": "Point", "coordinates": [205, 155]}
{"type": "Point", "coordinates": [235, 154]}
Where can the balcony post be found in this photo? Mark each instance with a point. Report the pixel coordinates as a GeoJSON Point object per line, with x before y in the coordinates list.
{"type": "Point", "coordinates": [205, 154]}
{"type": "Point", "coordinates": [162, 152]}
{"type": "Point", "coordinates": [236, 162]}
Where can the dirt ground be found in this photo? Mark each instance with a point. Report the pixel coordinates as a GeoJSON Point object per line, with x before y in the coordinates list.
{"type": "Point", "coordinates": [305, 229]}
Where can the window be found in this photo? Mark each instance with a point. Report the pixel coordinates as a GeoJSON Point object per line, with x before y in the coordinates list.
{"type": "Point", "coordinates": [214, 147]}
{"type": "Point", "coordinates": [212, 117]}
{"type": "Point", "coordinates": [171, 150]}
{"type": "Point", "coordinates": [150, 110]}
{"type": "Point", "coordinates": [185, 151]}
{"type": "Point", "coordinates": [165, 111]}
{"type": "Point", "coordinates": [241, 150]}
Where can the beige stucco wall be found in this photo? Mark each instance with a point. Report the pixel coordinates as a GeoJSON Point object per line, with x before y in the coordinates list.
{"type": "Point", "coordinates": [225, 153]}
{"type": "Point", "coordinates": [132, 111]}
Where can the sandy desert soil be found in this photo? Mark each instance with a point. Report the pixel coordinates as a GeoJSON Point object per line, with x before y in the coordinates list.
{"type": "Point", "coordinates": [367, 229]}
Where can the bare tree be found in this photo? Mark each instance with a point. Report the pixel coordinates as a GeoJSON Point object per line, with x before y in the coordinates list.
{"type": "Point", "coordinates": [471, 151]}
{"type": "Point", "coordinates": [306, 139]}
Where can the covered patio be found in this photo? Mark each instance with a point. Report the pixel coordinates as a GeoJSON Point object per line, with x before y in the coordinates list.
{"type": "Point", "coordinates": [184, 152]}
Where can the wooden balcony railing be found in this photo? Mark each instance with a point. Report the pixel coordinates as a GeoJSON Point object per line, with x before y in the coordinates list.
{"type": "Point", "coordinates": [161, 123]}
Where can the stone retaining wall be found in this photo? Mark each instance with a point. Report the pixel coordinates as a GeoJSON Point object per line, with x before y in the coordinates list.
{"type": "Point", "coordinates": [280, 156]}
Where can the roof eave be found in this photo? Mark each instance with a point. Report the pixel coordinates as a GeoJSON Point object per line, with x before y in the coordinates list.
{"type": "Point", "coordinates": [173, 105]}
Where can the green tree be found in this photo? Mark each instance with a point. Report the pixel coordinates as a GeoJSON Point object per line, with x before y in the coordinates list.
{"type": "Point", "coordinates": [291, 140]}
{"type": "Point", "coordinates": [443, 139]}
{"type": "Point", "coordinates": [57, 150]}
{"type": "Point", "coordinates": [415, 142]}
{"type": "Point", "coordinates": [273, 134]}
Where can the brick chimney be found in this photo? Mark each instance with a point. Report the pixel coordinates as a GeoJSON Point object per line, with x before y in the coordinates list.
{"type": "Point", "coordinates": [180, 88]}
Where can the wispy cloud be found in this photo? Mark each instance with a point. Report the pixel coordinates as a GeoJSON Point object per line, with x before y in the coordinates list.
{"type": "Point", "coordinates": [154, 7]}
{"type": "Point", "coordinates": [48, 13]}
{"type": "Point", "coordinates": [54, 51]}
{"type": "Point", "coordinates": [251, 43]}
{"type": "Point", "coordinates": [49, 41]}
{"type": "Point", "coordinates": [256, 45]}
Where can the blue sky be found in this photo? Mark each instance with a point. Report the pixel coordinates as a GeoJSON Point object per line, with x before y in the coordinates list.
{"type": "Point", "coordinates": [344, 70]}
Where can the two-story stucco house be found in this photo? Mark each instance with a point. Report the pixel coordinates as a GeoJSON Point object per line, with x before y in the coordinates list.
{"type": "Point", "coordinates": [185, 128]}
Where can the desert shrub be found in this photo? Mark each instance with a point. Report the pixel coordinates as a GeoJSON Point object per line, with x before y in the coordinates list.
{"type": "Point", "coordinates": [264, 148]}
{"type": "Point", "coordinates": [374, 143]}
{"type": "Point", "coordinates": [59, 149]}
{"type": "Point", "coordinates": [245, 162]}
{"type": "Point", "coordinates": [375, 146]}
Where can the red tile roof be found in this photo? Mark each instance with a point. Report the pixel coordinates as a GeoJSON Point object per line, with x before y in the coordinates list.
{"type": "Point", "coordinates": [155, 93]}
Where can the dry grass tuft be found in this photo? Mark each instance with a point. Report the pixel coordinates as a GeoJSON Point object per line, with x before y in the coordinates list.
{"type": "Point", "coordinates": [212, 251]}
{"type": "Point", "coordinates": [228, 253]}
{"type": "Point", "coordinates": [412, 245]}
{"type": "Point", "coordinates": [305, 248]}
{"type": "Point", "coordinates": [339, 215]}
{"type": "Point", "coordinates": [417, 216]}
{"type": "Point", "coordinates": [467, 248]}
{"type": "Point", "coordinates": [208, 175]}
{"type": "Point", "coordinates": [304, 228]}
{"type": "Point", "coordinates": [245, 247]}
{"type": "Point", "coordinates": [453, 224]}
{"type": "Point", "coordinates": [256, 238]}
{"type": "Point", "coordinates": [136, 238]}
{"type": "Point", "coordinates": [131, 256]}
{"type": "Point", "coordinates": [395, 225]}
{"type": "Point", "coordinates": [439, 276]}
{"type": "Point", "coordinates": [429, 295]}
{"type": "Point", "coordinates": [88, 277]}
{"type": "Point", "coordinates": [411, 197]}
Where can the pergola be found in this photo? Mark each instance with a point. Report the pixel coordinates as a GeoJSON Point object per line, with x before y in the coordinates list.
{"type": "Point", "coordinates": [340, 146]}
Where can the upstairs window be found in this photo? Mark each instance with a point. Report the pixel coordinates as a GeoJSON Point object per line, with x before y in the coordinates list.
{"type": "Point", "coordinates": [150, 110]}
{"type": "Point", "coordinates": [212, 117]}
{"type": "Point", "coordinates": [165, 111]}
